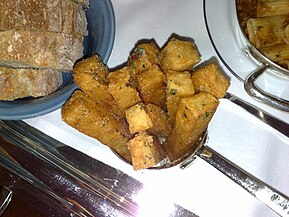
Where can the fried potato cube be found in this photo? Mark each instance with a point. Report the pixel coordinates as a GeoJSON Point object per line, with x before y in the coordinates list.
{"type": "Point", "coordinates": [210, 79]}
{"type": "Point", "coordinates": [92, 65]}
{"type": "Point", "coordinates": [179, 85]}
{"type": "Point", "coordinates": [159, 117]}
{"type": "Point", "coordinates": [138, 119]}
{"type": "Point", "coordinates": [93, 119]}
{"type": "Point", "coordinates": [145, 151]}
{"type": "Point", "coordinates": [179, 55]}
{"type": "Point", "coordinates": [192, 118]}
{"type": "Point", "coordinates": [122, 88]}
{"type": "Point", "coordinates": [144, 56]}
{"type": "Point", "coordinates": [90, 76]}
{"type": "Point", "coordinates": [151, 85]}
{"type": "Point", "coordinates": [172, 105]}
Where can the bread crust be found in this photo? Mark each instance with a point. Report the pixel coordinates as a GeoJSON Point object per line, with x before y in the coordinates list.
{"type": "Point", "coordinates": [84, 3]}
{"type": "Point", "coordinates": [64, 16]}
{"type": "Point", "coordinates": [19, 83]}
{"type": "Point", "coordinates": [37, 49]}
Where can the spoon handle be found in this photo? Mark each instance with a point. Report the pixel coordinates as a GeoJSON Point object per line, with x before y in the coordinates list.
{"type": "Point", "coordinates": [274, 122]}
{"type": "Point", "coordinates": [271, 197]}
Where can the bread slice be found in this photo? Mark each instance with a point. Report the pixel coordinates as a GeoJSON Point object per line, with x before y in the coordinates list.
{"type": "Point", "coordinates": [19, 83]}
{"type": "Point", "coordinates": [64, 16]}
{"type": "Point", "coordinates": [39, 49]}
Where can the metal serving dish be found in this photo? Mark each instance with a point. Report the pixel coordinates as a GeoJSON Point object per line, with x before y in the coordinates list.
{"type": "Point", "coordinates": [58, 180]}
{"type": "Point", "coordinates": [246, 9]}
{"type": "Point", "coordinates": [263, 79]}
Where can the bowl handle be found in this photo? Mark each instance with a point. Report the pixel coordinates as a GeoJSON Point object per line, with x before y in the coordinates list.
{"type": "Point", "coordinates": [260, 95]}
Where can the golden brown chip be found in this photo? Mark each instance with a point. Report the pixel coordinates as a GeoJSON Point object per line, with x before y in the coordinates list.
{"type": "Point", "coordinates": [161, 126]}
{"type": "Point", "coordinates": [90, 76]}
{"type": "Point", "coordinates": [151, 85]}
{"type": "Point", "coordinates": [122, 88]}
{"type": "Point", "coordinates": [179, 55]}
{"type": "Point", "coordinates": [145, 150]}
{"type": "Point", "coordinates": [179, 85]}
{"type": "Point", "coordinates": [138, 118]}
{"type": "Point", "coordinates": [210, 79]}
{"type": "Point", "coordinates": [143, 57]}
{"type": "Point", "coordinates": [192, 118]}
{"type": "Point", "coordinates": [91, 118]}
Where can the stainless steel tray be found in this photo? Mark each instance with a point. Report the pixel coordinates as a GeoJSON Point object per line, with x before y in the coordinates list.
{"type": "Point", "coordinates": [61, 181]}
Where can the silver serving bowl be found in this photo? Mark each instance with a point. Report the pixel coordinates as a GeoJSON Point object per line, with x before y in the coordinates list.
{"type": "Point", "coordinates": [265, 64]}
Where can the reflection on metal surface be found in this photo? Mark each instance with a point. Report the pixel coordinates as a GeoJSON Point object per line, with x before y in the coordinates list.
{"type": "Point", "coordinates": [149, 203]}
{"type": "Point", "coordinates": [56, 173]}
{"type": "Point", "coordinates": [90, 187]}
{"type": "Point", "coordinates": [5, 199]}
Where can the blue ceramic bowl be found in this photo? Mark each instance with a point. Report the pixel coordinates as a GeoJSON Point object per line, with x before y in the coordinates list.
{"type": "Point", "coordinates": [100, 39]}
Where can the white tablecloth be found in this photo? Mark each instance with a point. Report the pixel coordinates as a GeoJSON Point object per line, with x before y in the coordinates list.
{"type": "Point", "coordinates": [238, 136]}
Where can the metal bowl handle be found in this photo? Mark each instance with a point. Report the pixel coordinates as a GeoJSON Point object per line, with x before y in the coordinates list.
{"type": "Point", "coordinates": [260, 95]}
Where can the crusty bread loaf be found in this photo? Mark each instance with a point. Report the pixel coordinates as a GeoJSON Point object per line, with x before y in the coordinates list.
{"type": "Point", "coordinates": [64, 16]}
{"type": "Point", "coordinates": [39, 39]}
{"type": "Point", "coordinates": [19, 83]}
{"type": "Point", "coordinates": [38, 49]}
